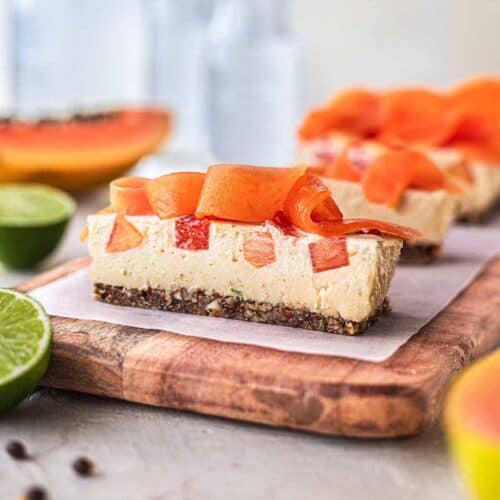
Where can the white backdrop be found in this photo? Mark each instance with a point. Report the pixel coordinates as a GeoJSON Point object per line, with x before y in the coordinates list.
{"type": "Point", "coordinates": [379, 42]}
{"type": "Point", "coordinates": [390, 42]}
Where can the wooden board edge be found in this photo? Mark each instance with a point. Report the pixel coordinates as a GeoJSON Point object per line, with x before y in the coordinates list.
{"type": "Point", "coordinates": [283, 402]}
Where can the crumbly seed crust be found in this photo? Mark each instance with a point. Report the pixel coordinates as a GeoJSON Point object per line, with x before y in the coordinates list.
{"type": "Point", "coordinates": [232, 307]}
{"type": "Point", "coordinates": [419, 254]}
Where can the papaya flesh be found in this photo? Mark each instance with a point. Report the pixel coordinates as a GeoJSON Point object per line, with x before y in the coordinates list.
{"type": "Point", "coordinates": [82, 151]}
{"type": "Point", "coordinates": [472, 421]}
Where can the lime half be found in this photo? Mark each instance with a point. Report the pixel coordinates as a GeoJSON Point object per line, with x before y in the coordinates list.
{"type": "Point", "coordinates": [25, 344]}
{"type": "Point", "coordinates": [33, 219]}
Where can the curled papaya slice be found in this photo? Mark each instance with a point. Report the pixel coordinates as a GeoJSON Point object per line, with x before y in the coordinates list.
{"type": "Point", "coordinates": [355, 111]}
{"type": "Point", "coordinates": [417, 117]}
{"type": "Point", "coordinates": [386, 180]}
{"type": "Point", "coordinates": [176, 194]}
{"type": "Point", "coordinates": [309, 203]}
{"type": "Point", "coordinates": [128, 195]}
{"type": "Point", "coordinates": [346, 227]}
{"type": "Point", "coordinates": [245, 193]}
{"type": "Point", "coordinates": [310, 207]}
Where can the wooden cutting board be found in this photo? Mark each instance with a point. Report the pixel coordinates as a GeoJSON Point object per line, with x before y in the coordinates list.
{"type": "Point", "coordinates": [331, 395]}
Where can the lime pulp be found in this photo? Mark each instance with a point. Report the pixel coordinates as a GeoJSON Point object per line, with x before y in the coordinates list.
{"type": "Point", "coordinates": [25, 345]}
{"type": "Point", "coordinates": [33, 219]}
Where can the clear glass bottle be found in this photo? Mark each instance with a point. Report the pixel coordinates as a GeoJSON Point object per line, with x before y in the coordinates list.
{"type": "Point", "coordinates": [253, 84]}
{"type": "Point", "coordinates": [69, 55]}
{"type": "Point", "coordinates": [177, 65]}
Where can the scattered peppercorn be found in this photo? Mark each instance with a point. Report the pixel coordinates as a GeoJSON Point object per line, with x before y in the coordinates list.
{"type": "Point", "coordinates": [36, 493]}
{"type": "Point", "coordinates": [17, 450]}
{"type": "Point", "coordinates": [83, 466]}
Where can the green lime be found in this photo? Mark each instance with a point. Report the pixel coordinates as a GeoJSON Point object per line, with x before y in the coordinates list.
{"type": "Point", "coordinates": [33, 219]}
{"type": "Point", "coordinates": [25, 344]}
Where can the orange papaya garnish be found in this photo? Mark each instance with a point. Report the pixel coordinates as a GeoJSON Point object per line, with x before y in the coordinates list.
{"type": "Point", "coordinates": [176, 194]}
{"type": "Point", "coordinates": [124, 235]}
{"type": "Point", "coordinates": [310, 202]}
{"type": "Point", "coordinates": [480, 96]}
{"type": "Point", "coordinates": [343, 169]}
{"type": "Point", "coordinates": [386, 180]}
{"type": "Point", "coordinates": [345, 227]}
{"type": "Point", "coordinates": [355, 111]}
{"type": "Point", "coordinates": [310, 207]}
{"type": "Point", "coordinates": [479, 104]}
{"type": "Point", "coordinates": [128, 195]}
{"type": "Point", "coordinates": [245, 193]}
{"type": "Point", "coordinates": [417, 117]}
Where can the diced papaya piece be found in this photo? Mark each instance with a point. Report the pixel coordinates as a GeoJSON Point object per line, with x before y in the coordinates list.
{"type": "Point", "coordinates": [310, 202]}
{"type": "Point", "coordinates": [386, 180]}
{"type": "Point", "coordinates": [328, 253]}
{"type": "Point", "coordinates": [128, 195]}
{"type": "Point", "coordinates": [245, 193]}
{"type": "Point", "coordinates": [417, 117]}
{"type": "Point", "coordinates": [176, 194]}
{"type": "Point", "coordinates": [124, 235]}
{"type": "Point", "coordinates": [192, 233]}
{"type": "Point", "coordinates": [355, 111]}
{"type": "Point", "coordinates": [258, 249]}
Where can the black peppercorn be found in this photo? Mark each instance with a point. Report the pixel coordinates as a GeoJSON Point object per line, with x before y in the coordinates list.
{"type": "Point", "coordinates": [83, 466]}
{"type": "Point", "coordinates": [36, 493]}
{"type": "Point", "coordinates": [17, 450]}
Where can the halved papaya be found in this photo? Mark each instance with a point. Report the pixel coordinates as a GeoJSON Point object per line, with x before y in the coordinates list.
{"type": "Point", "coordinates": [472, 421]}
{"type": "Point", "coordinates": [81, 151]}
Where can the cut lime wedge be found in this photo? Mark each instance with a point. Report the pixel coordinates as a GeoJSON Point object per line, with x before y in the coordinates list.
{"type": "Point", "coordinates": [25, 345]}
{"type": "Point", "coordinates": [33, 218]}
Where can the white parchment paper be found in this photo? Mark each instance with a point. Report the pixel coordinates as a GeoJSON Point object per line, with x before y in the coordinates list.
{"type": "Point", "coordinates": [417, 294]}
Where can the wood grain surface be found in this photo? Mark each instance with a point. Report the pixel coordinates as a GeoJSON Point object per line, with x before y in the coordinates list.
{"type": "Point", "coordinates": [331, 395]}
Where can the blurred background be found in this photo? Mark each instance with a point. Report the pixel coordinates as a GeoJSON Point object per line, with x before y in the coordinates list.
{"type": "Point", "coordinates": [238, 74]}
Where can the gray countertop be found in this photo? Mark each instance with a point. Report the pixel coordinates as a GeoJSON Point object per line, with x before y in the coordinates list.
{"type": "Point", "coordinates": [150, 453]}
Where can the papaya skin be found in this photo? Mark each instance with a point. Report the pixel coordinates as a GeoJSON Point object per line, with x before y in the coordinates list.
{"type": "Point", "coordinates": [472, 423]}
{"type": "Point", "coordinates": [78, 155]}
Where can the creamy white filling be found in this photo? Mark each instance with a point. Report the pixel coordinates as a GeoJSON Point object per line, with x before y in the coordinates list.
{"type": "Point", "coordinates": [354, 292]}
{"type": "Point", "coordinates": [485, 190]}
